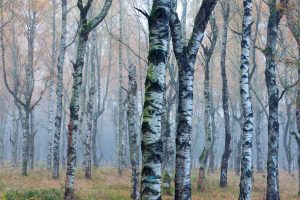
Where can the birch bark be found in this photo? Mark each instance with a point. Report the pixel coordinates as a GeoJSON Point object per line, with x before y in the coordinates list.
{"type": "Point", "coordinates": [121, 128]}
{"type": "Point", "coordinates": [246, 159]}
{"type": "Point", "coordinates": [59, 91]}
{"type": "Point", "coordinates": [227, 150]}
{"type": "Point", "coordinates": [90, 109]}
{"type": "Point", "coordinates": [154, 89]}
{"type": "Point", "coordinates": [273, 125]}
{"type": "Point", "coordinates": [207, 103]}
{"type": "Point", "coordinates": [51, 122]}
{"type": "Point", "coordinates": [134, 138]}
{"type": "Point", "coordinates": [186, 57]}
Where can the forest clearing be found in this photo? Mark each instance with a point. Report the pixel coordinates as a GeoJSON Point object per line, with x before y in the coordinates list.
{"type": "Point", "coordinates": [107, 185]}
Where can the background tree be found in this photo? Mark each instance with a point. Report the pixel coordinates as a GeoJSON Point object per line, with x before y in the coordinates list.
{"type": "Point", "coordinates": [84, 29]}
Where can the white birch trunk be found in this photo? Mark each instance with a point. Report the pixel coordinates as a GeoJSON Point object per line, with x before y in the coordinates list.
{"type": "Point", "coordinates": [59, 91]}
{"type": "Point", "coordinates": [134, 137]}
{"type": "Point", "coordinates": [246, 160]}
{"type": "Point", "coordinates": [154, 89]}
{"type": "Point", "coordinates": [273, 124]}
{"type": "Point", "coordinates": [121, 131]}
{"type": "Point", "coordinates": [50, 123]}
{"type": "Point", "coordinates": [90, 109]}
{"type": "Point", "coordinates": [186, 57]}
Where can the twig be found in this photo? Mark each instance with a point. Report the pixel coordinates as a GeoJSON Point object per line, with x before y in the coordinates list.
{"type": "Point", "coordinates": [286, 89]}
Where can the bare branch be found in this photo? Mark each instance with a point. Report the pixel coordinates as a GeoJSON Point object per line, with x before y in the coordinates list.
{"type": "Point", "coordinates": [143, 12]}
{"type": "Point", "coordinates": [99, 18]}
{"type": "Point", "coordinates": [286, 89]}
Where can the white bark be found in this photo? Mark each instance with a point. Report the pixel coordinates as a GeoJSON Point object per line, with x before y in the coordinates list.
{"type": "Point", "coordinates": [59, 91]}
{"type": "Point", "coordinates": [246, 160]}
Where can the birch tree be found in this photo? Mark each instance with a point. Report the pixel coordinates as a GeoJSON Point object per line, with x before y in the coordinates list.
{"type": "Point", "coordinates": [297, 138]}
{"type": "Point", "coordinates": [121, 128]}
{"type": "Point", "coordinates": [134, 139]}
{"type": "Point", "coordinates": [90, 109]}
{"type": "Point", "coordinates": [208, 51]}
{"type": "Point", "coordinates": [84, 29]}
{"type": "Point", "coordinates": [186, 58]}
{"type": "Point", "coordinates": [24, 101]}
{"type": "Point", "coordinates": [59, 90]}
{"type": "Point", "coordinates": [51, 122]}
{"type": "Point", "coordinates": [259, 112]}
{"type": "Point", "coordinates": [275, 14]}
{"type": "Point", "coordinates": [246, 160]}
{"type": "Point", "coordinates": [13, 138]}
{"type": "Point", "coordinates": [293, 15]}
{"type": "Point", "coordinates": [227, 150]}
{"type": "Point", "coordinates": [154, 90]}
{"type": "Point", "coordinates": [3, 122]}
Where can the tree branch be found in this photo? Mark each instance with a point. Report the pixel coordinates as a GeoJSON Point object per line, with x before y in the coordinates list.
{"type": "Point", "coordinates": [99, 18]}
{"type": "Point", "coordinates": [286, 89]}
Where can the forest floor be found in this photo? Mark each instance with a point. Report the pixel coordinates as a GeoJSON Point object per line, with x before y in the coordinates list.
{"type": "Point", "coordinates": [107, 185]}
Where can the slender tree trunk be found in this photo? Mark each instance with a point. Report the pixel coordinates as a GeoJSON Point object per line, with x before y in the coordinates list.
{"type": "Point", "coordinates": [293, 15]}
{"type": "Point", "coordinates": [97, 99]}
{"type": "Point", "coordinates": [90, 109]}
{"type": "Point", "coordinates": [25, 143]}
{"type": "Point", "coordinates": [286, 137]}
{"type": "Point", "coordinates": [246, 160]}
{"type": "Point", "coordinates": [183, 19]}
{"type": "Point", "coordinates": [29, 86]}
{"type": "Point", "coordinates": [134, 139]}
{"type": "Point", "coordinates": [74, 114]}
{"type": "Point", "coordinates": [169, 151]}
{"type": "Point", "coordinates": [299, 169]}
{"type": "Point", "coordinates": [121, 128]}
{"type": "Point", "coordinates": [204, 155]}
{"type": "Point", "coordinates": [59, 92]}
{"type": "Point", "coordinates": [273, 125]}
{"type": "Point", "coordinates": [50, 122]}
{"type": "Point", "coordinates": [2, 134]}
{"type": "Point", "coordinates": [298, 116]}
{"type": "Point", "coordinates": [259, 159]}
{"type": "Point", "coordinates": [31, 141]}
{"type": "Point", "coordinates": [64, 135]}
{"type": "Point", "coordinates": [238, 150]}
{"type": "Point", "coordinates": [227, 150]}
{"type": "Point", "coordinates": [14, 140]}
{"type": "Point", "coordinates": [213, 126]}
{"type": "Point", "coordinates": [83, 106]}
{"type": "Point", "coordinates": [207, 103]}
{"type": "Point", "coordinates": [16, 120]}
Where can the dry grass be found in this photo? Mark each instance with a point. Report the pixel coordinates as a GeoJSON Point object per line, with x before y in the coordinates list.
{"type": "Point", "coordinates": [106, 185]}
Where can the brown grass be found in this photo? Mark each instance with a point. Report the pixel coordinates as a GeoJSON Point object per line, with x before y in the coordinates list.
{"type": "Point", "coordinates": [107, 185]}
